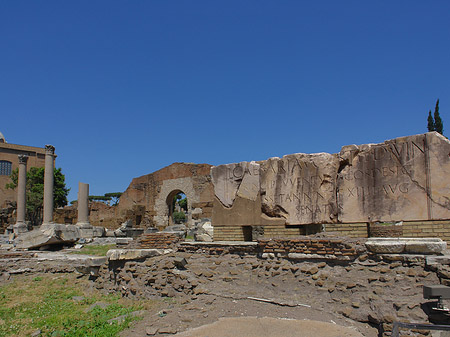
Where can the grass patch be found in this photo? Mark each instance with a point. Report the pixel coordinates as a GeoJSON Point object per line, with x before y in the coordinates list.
{"type": "Point", "coordinates": [46, 303]}
{"type": "Point", "coordinates": [97, 250]}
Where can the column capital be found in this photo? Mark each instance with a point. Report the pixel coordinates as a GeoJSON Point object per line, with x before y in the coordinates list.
{"type": "Point", "coordinates": [49, 149]}
{"type": "Point", "coordinates": [23, 158]}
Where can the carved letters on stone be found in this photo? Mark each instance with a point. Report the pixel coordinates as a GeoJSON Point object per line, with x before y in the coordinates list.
{"type": "Point", "coordinates": [300, 188]}
{"type": "Point", "coordinates": [400, 179]}
{"type": "Point", "coordinates": [405, 178]}
{"type": "Point", "coordinates": [240, 179]}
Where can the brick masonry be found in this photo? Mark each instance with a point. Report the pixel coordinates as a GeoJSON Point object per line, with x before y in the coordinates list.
{"type": "Point", "coordinates": [280, 247]}
{"type": "Point", "coordinates": [155, 241]}
{"type": "Point", "coordinates": [410, 229]}
{"type": "Point", "coordinates": [308, 246]}
{"type": "Point", "coordinates": [212, 249]}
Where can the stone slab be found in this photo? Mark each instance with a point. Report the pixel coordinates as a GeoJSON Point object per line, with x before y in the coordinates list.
{"type": "Point", "coordinates": [406, 245]}
{"type": "Point", "coordinates": [238, 179]}
{"type": "Point", "coordinates": [438, 260]}
{"type": "Point", "coordinates": [48, 235]}
{"type": "Point", "coordinates": [134, 254]}
{"type": "Point", "coordinates": [300, 188]}
{"type": "Point", "coordinates": [269, 327]}
{"type": "Point", "coordinates": [401, 179]}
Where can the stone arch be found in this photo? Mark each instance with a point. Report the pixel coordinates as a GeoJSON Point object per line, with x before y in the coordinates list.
{"type": "Point", "coordinates": [169, 204]}
{"type": "Point", "coordinates": [170, 188]}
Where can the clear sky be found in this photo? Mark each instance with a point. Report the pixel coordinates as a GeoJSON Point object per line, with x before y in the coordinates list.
{"type": "Point", "coordinates": [125, 88]}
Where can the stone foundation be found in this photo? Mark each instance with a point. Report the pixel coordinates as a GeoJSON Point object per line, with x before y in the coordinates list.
{"type": "Point", "coordinates": [409, 229]}
{"type": "Point", "coordinates": [155, 241]}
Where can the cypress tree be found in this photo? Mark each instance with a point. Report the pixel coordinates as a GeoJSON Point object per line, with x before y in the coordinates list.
{"type": "Point", "coordinates": [438, 124]}
{"type": "Point", "coordinates": [431, 126]}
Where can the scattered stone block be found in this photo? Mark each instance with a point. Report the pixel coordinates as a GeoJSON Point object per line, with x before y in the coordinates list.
{"type": "Point", "coordinates": [134, 254]}
{"type": "Point", "coordinates": [48, 235]}
{"type": "Point", "coordinates": [180, 262]}
{"type": "Point", "coordinates": [406, 245]}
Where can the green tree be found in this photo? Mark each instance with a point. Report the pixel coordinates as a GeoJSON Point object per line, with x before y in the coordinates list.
{"type": "Point", "coordinates": [175, 200]}
{"type": "Point", "coordinates": [431, 126]}
{"type": "Point", "coordinates": [101, 198]}
{"type": "Point", "coordinates": [438, 124]}
{"type": "Point", "coordinates": [183, 203]}
{"type": "Point", "coordinates": [35, 191]}
{"type": "Point", "coordinates": [115, 197]}
{"type": "Point", "coordinates": [179, 217]}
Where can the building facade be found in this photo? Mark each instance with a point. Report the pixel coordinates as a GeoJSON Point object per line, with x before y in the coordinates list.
{"type": "Point", "coordinates": [9, 161]}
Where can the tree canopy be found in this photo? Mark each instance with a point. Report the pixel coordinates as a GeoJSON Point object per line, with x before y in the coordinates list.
{"type": "Point", "coordinates": [436, 123]}
{"type": "Point", "coordinates": [35, 191]}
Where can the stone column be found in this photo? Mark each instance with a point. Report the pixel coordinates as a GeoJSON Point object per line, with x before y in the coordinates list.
{"type": "Point", "coordinates": [48, 185]}
{"type": "Point", "coordinates": [20, 225]}
{"type": "Point", "coordinates": [83, 206]}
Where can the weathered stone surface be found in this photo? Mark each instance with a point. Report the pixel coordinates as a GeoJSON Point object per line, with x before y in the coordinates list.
{"type": "Point", "coordinates": [134, 254]}
{"type": "Point", "coordinates": [48, 235]}
{"type": "Point", "coordinates": [406, 245]}
{"type": "Point", "coordinates": [300, 188]}
{"type": "Point", "coordinates": [240, 179]}
{"type": "Point", "coordinates": [147, 198]}
{"type": "Point", "coordinates": [401, 179]}
{"type": "Point", "coordinates": [425, 246]}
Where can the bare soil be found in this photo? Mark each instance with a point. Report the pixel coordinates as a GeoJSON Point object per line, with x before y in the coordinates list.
{"type": "Point", "coordinates": [364, 294]}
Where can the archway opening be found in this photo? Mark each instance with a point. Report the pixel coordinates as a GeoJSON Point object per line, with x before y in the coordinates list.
{"type": "Point", "coordinates": [178, 208]}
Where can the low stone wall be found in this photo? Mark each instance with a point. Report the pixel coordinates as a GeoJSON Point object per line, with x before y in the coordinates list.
{"type": "Point", "coordinates": [155, 241]}
{"type": "Point", "coordinates": [409, 229]}
{"type": "Point", "coordinates": [219, 248]}
{"type": "Point", "coordinates": [427, 229]}
{"type": "Point", "coordinates": [385, 230]}
{"type": "Point", "coordinates": [303, 248]}
{"type": "Point", "coordinates": [353, 230]}
{"type": "Point", "coordinates": [236, 233]}
{"type": "Point", "coordinates": [318, 247]}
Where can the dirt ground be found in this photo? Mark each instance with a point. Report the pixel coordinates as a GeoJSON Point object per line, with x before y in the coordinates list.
{"type": "Point", "coordinates": [366, 295]}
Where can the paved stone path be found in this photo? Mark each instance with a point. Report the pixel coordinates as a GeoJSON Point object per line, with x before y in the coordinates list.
{"type": "Point", "coordinates": [269, 327]}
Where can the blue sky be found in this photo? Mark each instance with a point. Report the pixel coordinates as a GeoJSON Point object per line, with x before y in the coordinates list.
{"type": "Point", "coordinates": [124, 88]}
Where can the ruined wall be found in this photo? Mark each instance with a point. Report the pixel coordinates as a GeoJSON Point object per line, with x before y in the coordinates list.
{"type": "Point", "coordinates": [152, 193]}
{"type": "Point", "coordinates": [100, 214]}
{"type": "Point", "coordinates": [404, 179]}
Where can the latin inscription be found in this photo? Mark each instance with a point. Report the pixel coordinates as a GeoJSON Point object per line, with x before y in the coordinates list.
{"type": "Point", "coordinates": [238, 171]}
{"type": "Point", "coordinates": [302, 186]}
{"type": "Point", "coordinates": [398, 152]}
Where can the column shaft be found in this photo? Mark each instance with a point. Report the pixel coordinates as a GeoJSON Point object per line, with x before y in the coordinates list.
{"type": "Point", "coordinates": [20, 225]}
{"type": "Point", "coordinates": [83, 205]}
{"type": "Point", "coordinates": [48, 184]}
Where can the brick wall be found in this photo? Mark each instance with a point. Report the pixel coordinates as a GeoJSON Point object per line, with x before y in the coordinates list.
{"type": "Point", "coordinates": [213, 249]}
{"type": "Point", "coordinates": [228, 233]}
{"type": "Point", "coordinates": [410, 229]}
{"type": "Point", "coordinates": [307, 246]}
{"type": "Point", "coordinates": [155, 241]}
{"type": "Point", "coordinates": [427, 229]}
{"type": "Point", "coordinates": [236, 233]}
{"type": "Point", "coordinates": [385, 231]}
{"type": "Point", "coordinates": [280, 247]}
{"type": "Point", "coordinates": [354, 230]}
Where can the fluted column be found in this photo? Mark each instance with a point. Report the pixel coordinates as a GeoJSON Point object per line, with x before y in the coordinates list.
{"type": "Point", "coordinates": [48, 184]}
{"type": "Point", "coordinates": [83, 206]}
{"type": "Point", "coordinates": [20, 225]}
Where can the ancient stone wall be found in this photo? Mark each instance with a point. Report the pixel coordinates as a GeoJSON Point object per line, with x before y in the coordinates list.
{"type": "Point", "coordinates": [100, 214]}
{"type": "Point", "coordinates": [404, 179]}
{"type": "Point", "coordinates": [155, 241]}
{"type": "Point", "coordinates": [154, 192]}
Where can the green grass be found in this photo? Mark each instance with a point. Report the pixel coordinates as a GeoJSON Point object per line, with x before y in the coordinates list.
{"type": "Point", "coordinates": [46, 303]}
{"type": "Point", "coordinates": [97, 250]}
